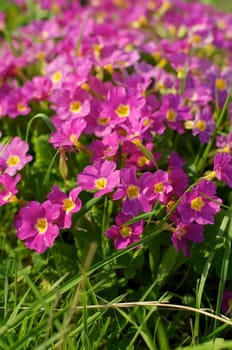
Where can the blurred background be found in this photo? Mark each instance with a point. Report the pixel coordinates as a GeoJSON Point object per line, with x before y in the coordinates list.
{"type": "Point", "coordinates": [222, 5]}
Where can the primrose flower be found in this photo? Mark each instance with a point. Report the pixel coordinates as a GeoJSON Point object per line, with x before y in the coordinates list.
{"type": "Point", "coordinates": [159, 187]}
{"type": "Point", "coordinates": [67, 133]}
{"type": "Point", "coordinates": [227, 303]}
{"type": "Point", "coordinates": [122, 105]}
{"type": "Point", "coordinates": [123, 235]}
{"type": "Point", "coordinates": [18, 103]}
{"type": "Point", "coordinates": [15, 156]}
{"type": "Point", "coordinates": [174, 112]}
{"type": "Point", "coordinates": [57, 70]}
{"type": "Point", "coordinates": [8, 188]}
{"type": "Point", "coordinates": [133, 192]}
{"type": "Point", "coordinates": [223, 167]}
{"type": "Point", "coordinates": [185, 233]}
{"type": "Point", "coordinates": [101, 177]}
{"type": "Point", "coordinates": [224, 142]}
{"type": "Point", "coordinates": [39, 88]}
{"type": "Point", "coordinates": [204, 125]}
{"type": "Point", "coordinates": [67, 205]}
{"type": "Point", "coordinates": [106, 148]}
{"type": "Point", "coordinates": [71, 104]}
{"type": "Point", "coordinates": [200, 204]}
{"type": "Point", "coordinates": [35, 224]}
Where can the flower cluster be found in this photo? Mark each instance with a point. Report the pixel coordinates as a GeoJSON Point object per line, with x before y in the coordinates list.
{"type": "Point", "coordinates": [135, 99]}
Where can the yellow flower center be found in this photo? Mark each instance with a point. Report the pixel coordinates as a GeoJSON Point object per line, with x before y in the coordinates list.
{"type": "Point", "coordinates": [44, 35]}
{"type": "Point", "coordinates": [109, 68]}
{"type": "Point", "coordinates": [142, 161]}
{"type": "Point", "coordinates": [220, 84]}
{"type": "Point", "coordinates": [181, 233]}
{"type": "Point", "coordinates": [75, 107]}
{"type": "Point", "coordinates": [180, 72]}
{"type": "Point", "coordinates": [73, 138]}
{"type": "Point", "coordinates": [196, 39]}
{"type": "Point", "coordinates": [171, 204]}
{"type": "Point", "coordinates": [8, 197]}
{"type": "Point", "coordinates": [68, 205]}
{"type": "Point", "coordinates": [201, 125]}
{"type": "Point", "coordinates": [21, 107]}
{"type": "Point", "coordinates": [57, 76]}
{"type": "Point", "coordinates": [121, 3]}
{"type": "Point", "coordinates": [85, 86]}
{"type": "Point", "coordinates": [41, 225]}
{"type": "Point", "coordinates": [101, 183]}
{"type": "Point", "coordinates": [123, 110]}
{"type": "Point", "coordinates": [103, 121]}
{"type": "Point", "coordinates": [159, 187]}
{"type": "Point", "coordinates": [13, 160]}
{"type": "Point", "coordinates": [146, 122]}
{"type": "Point", "coordinates": [132, 192]}
{"type": "Point", "coordinates": [40, 55]}
{"type": "Point", "coordinates": [125, 231]}
{"type": "Point", "coordinates": [171, 115]}
{"type": "Point", "coordinates": [97, 48]}
{"type": "Point", "coordinates": [197, 203]}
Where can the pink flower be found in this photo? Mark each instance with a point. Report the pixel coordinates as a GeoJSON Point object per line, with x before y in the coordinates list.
{"type": "Point", "coordinates": [133, 191]}
{"type": "Point", "coordinates": [67, 205]}
{"type": "Point", "coordinates": [159, 187]}
{"type": "Point", "coordinates": [71, 104]}
{"type": "Point", "coordinates": [200, 204]}
{"type": "Point", "coordinates": [122, 105]}
{"type": "Point", "coordinates": [224, 142]}
{"type": "Point", "coordinates": [35, 224]}
{"type": "Point", "coordinates": [101, 177]}
{"type": "Point", "coordinates": [223, 167]}
{"type": "Point", "coordinates": [174, 112]}
{"type": "Point", "coordinates": [204, 125]}
{"type": "Point", "coordinates": [18, 103]}
{"type": "Point", "coordinates": [8, 188]}
{"type": "Point", "coordinates": [15, 156]}
{"type": "Point", "coordinates": [123, 235]}
{"type": "Point", "coordinates": [39, 88]}
{"type": "Point", "coordinates": [185, 233]}
{"type": "Point", "coordinates": [106, 148]}
{"type": "Point", "coordinates": [67, 133]}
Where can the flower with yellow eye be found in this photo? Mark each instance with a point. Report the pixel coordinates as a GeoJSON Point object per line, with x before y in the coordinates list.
{"type": "Point", "coordinates": [67, 205]}
{"type": "Point", "coordinates": [15, 156]}
{"type": "Point", "coordinates": [200, 204]}
{"type": "Point", "coordinates": [101, 177]}
{"type": "Point", "coordinates": [36, 225]}
{"type": "Point", "coordinates": [123, 235]}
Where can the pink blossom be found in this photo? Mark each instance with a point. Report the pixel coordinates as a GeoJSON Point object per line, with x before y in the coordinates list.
{"type": "Point", "coordinates": [101, 177]}
{"type": "Point", "coordinates": [67, 205]}
{"type": "Point", "coordinates": [223, 167]}
{"type": "Point", "coordinates": [185, 233]}
{"type": "Point", "coordinates": [67, 133]}
{"type": "Point", "coordinates": [200, 204]}
{"type": "Point", "coordinates": [159, 187]}
{"type": "Point", "coordinates": [123, 235]}
{"type": "Point", "coordinates": [35, 224]}
{"type": "Point", "coordinates": [204, 124]}
{"type": "Point", "coordinates": [8, 188]}
{"type": "Point", "coordinates": [133, 192]}
{"type": "Point", "coordinates": [15, 156]}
